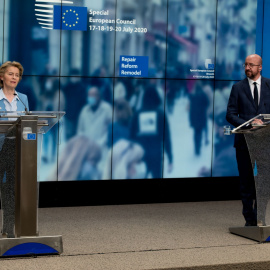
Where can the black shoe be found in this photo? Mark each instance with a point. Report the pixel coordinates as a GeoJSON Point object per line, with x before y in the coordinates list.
{"type": "Point", "coordinates": [251, 223]}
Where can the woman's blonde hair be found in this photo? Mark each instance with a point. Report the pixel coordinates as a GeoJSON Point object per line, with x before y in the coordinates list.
{"type": "Point", "coordinates": [8, 64]}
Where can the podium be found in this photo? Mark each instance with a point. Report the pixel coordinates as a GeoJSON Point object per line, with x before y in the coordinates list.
{"type": "Point", "coordinates": [258, 141]}
{"type": "Point", "coordinates": [20, 133]}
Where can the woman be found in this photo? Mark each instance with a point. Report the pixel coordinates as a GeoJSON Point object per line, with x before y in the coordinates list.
{"type": "Point", "coordinates": [10, 75]}
{"type": "Point", "coordinates": [10, 100]}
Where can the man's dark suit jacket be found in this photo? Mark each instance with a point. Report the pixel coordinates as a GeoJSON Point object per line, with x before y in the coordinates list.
{"type": "Point", "coordinates": [241, 106]}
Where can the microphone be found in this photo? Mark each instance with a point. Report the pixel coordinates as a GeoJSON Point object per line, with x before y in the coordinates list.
{"type": "Point", "coordinates": [25, 108]}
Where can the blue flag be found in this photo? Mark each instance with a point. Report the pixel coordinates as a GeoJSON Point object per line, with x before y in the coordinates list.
{"type": "Point", "coordinates": [70, 18]}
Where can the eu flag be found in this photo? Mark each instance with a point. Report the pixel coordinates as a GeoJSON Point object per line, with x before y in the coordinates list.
{"type": "Point", "coordinates": [70, 18]}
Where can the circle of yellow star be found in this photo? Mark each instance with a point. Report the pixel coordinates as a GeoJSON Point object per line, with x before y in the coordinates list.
{"type": "Point", "coordinates": [76, 19]}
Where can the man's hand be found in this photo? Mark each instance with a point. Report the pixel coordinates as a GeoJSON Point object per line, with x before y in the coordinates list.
{"type": "Point", "coordinates": [257, 122]}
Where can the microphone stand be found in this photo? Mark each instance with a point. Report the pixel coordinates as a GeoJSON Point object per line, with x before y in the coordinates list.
{"type": "Point", "coordinates": [25, 108]}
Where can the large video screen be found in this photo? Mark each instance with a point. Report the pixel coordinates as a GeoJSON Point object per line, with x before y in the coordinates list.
{"type": "Point", "coordinates": [144, 84]}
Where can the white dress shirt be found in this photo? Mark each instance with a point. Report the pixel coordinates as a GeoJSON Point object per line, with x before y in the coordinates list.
{"type": "Point", "coordinates": [258, 84]}
{"type": "Point", "coordinates": [10, 106]}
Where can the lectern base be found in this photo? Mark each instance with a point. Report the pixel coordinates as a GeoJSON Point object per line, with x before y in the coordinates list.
{"type": "Point", "coordinates": [24, 246]}
{"type": "Point", "coordinates": [257, 233]}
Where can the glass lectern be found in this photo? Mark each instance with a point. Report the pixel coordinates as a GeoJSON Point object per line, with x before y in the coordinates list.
{"type": "Point", "coordinates": [19, 135]}
{"type": "Point", "coordinates": [258, 141]}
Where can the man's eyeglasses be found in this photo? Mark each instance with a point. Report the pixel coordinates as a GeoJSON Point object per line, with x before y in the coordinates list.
{"type": "Point", "coordinates": [249, 65]}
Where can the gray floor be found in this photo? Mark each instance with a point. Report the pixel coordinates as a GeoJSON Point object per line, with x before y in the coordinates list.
{"type": "Point", "coordinates": [151, 236]}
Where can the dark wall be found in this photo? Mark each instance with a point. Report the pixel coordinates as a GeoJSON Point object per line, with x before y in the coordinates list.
{"type": "Point", "coordinates": [84, 193]}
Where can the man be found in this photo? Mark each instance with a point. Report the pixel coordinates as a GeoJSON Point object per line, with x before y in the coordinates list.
{"type": "Point", "coordinates": [95, 118]}
{"type": "Point", "coordinates": [248, 98]}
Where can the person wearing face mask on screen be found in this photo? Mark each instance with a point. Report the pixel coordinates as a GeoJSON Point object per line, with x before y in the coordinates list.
{"type": "Point", "coordinates": [10, 100]}
{"type": "Point", "coordinates": [95, 118]}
